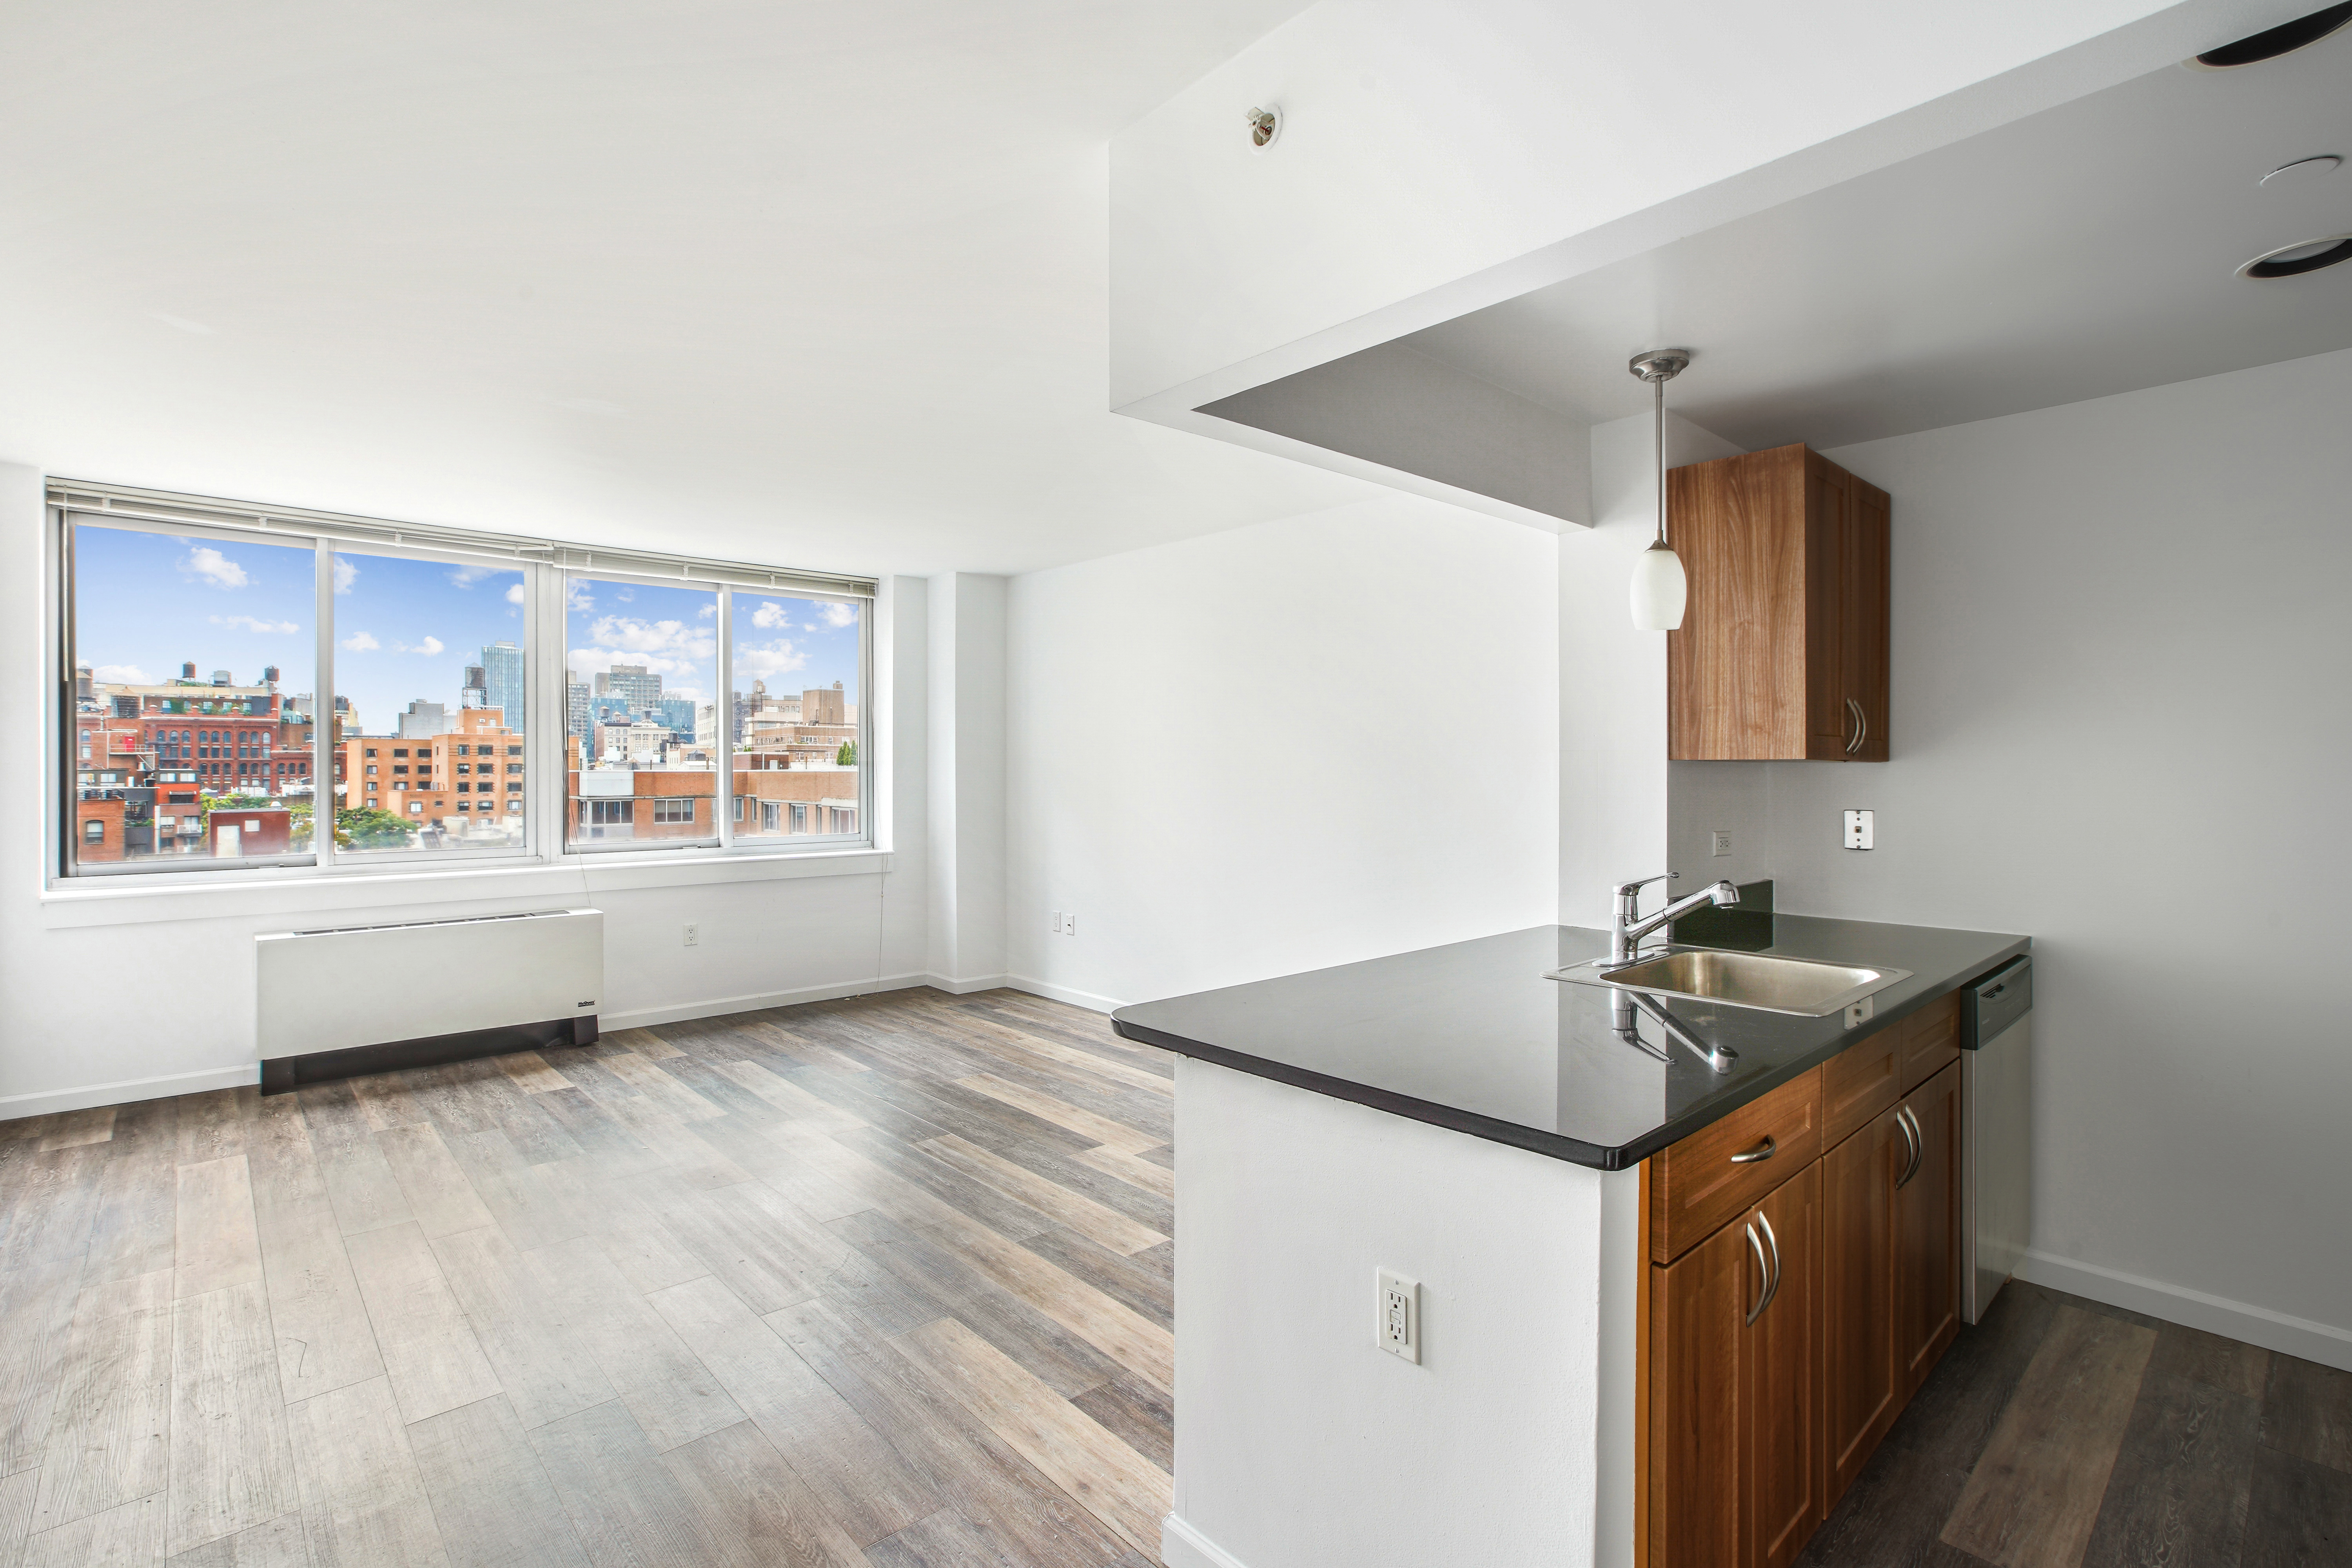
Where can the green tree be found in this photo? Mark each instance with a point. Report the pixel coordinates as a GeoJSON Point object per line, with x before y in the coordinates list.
{"type": "Point", "coordinates": [847, 756]}
{"type": "Point", "coordinates": [365, 827]}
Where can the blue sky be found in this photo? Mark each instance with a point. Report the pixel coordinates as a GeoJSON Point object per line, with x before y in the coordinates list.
{"type": "Point", "coordinates": [405, 629]}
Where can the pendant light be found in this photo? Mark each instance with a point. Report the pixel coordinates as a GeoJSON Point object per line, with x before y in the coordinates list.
{"type": "Point", "coordinates": [1660, 588]}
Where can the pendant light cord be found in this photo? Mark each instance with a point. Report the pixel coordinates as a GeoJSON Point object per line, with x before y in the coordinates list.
{"type": "Point", "coordinates": [1658, 443]}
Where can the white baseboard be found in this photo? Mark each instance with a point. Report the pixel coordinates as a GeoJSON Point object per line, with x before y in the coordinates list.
{"type": "Point", "coordinates": [2322, 1342]}
{"type": "Point", "coordinates": [1182, 1546]}
{"type": "Point", "coordinates": [49, 1102]}
{"type": "Point", "coordinates": [644, 1017]}
{"type": "Point", "coordinates": [954, 987]}
{"type": "Point", "coordinates": [1052, 992]}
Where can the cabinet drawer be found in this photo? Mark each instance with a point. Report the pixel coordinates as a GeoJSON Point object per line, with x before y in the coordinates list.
{"type": "Point", "coordinates": [1859, 1083]}
{"type": "Point", "coordinates": [1931, 1041]}
{"type": "Point", "coordinates": [1697, 1186]}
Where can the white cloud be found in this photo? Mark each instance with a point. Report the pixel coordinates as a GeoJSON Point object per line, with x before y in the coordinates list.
{"type": "Point", "coordinates": [576, 595]}
{"type": "Point", "coordinates": [708, 612]}
{"type": "Point", "coordinates": [214, 567]}
{"type": "Point", "coordinates": [121, 675]}
{"type": "Point", "coordinates": [634, 636]}
{"type": "Point", "coordinates": [345, 573]}
{"type": "Point", "coordinates": [584, 661]}
{"type": "Point", "coordinates": [514, 595]}
{"type": "Point", "coordinates": [770, 616]}
{"type": "Point", "coordinates": [360, 642]}
{"type": "Point", "coordinates": [763, 660]}
{"type": "Point", "coordinates": [253, 624]}
{"type": "Point", "coordinates": [428, 647]}
{"type": "Point", "coordinates": [466, 576]}
{"type": "Point", "coordinates": [838, 615]}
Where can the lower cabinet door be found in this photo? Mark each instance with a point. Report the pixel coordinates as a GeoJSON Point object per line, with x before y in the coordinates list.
{"type": "Point", "coordinates": [1781, 1379]}
{"type": "Point", "coordinates": [1927, 1232]}
{"type": "Point", "coordinates": [1861, 1386]}
{"type": "Point", "coordinates": [1734, 1342]}
{"type": "Point", "coordinates": [1697, 1305]}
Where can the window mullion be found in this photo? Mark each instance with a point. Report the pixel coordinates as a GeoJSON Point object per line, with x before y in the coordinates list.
{"type": "Point", "coordinates": [722, 712]}
{"type": "Point", "coordinates": [324, 801]}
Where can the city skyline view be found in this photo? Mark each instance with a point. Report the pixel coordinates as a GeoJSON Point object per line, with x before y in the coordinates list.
{"type": "Point", "coordinates": [405, 630]}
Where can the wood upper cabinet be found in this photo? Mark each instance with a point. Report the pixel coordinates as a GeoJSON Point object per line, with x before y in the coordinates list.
{"type": "Point", "coordinates": [1782, 653]}
{"type": "Point", "coordinates": [1733, 1382]}
{"type": "Point", "coordinates": [1927, 1232]}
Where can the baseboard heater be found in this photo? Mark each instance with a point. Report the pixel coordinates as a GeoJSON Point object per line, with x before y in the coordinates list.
{"type": "Point", "coordinates": [360, 999]}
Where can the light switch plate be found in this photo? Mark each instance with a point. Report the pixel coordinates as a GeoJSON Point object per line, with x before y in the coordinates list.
{"type": "Point", "coordinates": [1861, 828]}
{"type": "Point", "coordinates": [1398, 1328]}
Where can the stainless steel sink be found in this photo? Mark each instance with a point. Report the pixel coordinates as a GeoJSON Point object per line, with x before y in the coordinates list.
{"type": "Point", "coordinates": [1804, 986]}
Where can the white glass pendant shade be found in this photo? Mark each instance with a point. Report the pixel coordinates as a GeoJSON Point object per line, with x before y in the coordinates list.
{"type": "Point", "coordinates": [1660, 590]}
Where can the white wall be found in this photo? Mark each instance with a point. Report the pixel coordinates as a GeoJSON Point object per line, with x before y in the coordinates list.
{"type": "Point", "coordinates": [2120, 725]}
{"type": "Point", "coordinates": [1280, 747]}
{"type": "Point", "coordinates": [1613, 678]}
{"type": "Point", "coordinates": [966, 699]}
{"type": "Point", "coordinates": [1302, 1444]}
{"type": "Point", "coordinates": [128, 994]}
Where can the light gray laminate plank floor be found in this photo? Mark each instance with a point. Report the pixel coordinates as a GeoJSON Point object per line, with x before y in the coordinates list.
{"type": "Point", "coordinates": [872, 1283]}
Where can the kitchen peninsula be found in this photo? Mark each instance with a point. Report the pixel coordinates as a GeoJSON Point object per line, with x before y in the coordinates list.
{"type": "Point", "coordinates": [1489, 1136]}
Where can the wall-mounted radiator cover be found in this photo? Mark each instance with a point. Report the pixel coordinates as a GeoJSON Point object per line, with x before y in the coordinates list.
{"type": "Point", "coordinates": [355, 999]}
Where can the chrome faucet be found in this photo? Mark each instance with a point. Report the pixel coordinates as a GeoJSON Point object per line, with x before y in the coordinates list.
{"type": "Point", "coordinates": [1626, 932]}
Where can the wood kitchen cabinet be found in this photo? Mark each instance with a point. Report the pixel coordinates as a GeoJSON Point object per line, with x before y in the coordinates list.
{"type": "Point", "coordinates": [1782, 652]}
{"type": "Point", "coordinates": [1860, 1388]}
{"type": "Point", "coordinates": [1735, 1343]}
{"type": "Point", "coordinates": [1927, 1232]}
{"type": "Point", "coordinates": [1803, 1280]}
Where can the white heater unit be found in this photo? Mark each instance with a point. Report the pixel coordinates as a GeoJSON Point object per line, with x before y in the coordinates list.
{"type": "Point", "coordinates": [357, 999]}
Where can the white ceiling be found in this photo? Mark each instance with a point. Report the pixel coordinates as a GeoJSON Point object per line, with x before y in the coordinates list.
{"type": "Point", "coordinates": [2083, 251]}
{"type": "Point", "coordinates": [822, 284]}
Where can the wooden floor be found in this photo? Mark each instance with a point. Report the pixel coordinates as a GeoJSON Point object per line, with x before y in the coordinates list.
{"type": "Point", "coordinates": [2063, 1434]}
{"type": "Point", "coordinates": [884, 1281]}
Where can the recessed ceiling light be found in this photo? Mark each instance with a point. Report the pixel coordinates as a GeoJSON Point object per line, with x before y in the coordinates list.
{"type": "Point", "coordinates": [2301, 171]}
{"type": "Point", "coordinates": [2294, 261]}
{"type": "Point", "coordinates": [2283, 39]}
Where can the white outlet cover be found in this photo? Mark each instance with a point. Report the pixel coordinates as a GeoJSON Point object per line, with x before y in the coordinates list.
{"type": "Point", "coordinates": [1396, 1325]}
{"type": "Point", "coordinates": [1720, 842]}
{"type": "Point", "coordinates": [1861, 829]}
{"type": "Point", "coordinates": [1070, 924]}
{"type": "Point", "coordinates": [1058, 922]}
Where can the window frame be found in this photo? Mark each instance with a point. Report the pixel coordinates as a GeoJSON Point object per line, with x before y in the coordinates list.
{"type": "Point", "coordinates": [545, 568]}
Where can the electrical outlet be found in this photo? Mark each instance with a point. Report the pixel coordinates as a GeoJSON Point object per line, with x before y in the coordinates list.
{"type": "Point", "coordinates": [1722, 843]}
{"type": "Point", "coordinates": [1058, 922]}
{"type": "Point", "coordinates": [1070, 923]}
{"type": "Point", "coordinates": [693, 935]}
{"type": "Point", "coordinates": [1397, 1330]}
{"type": "Point", "coordinates": [1861, 829]}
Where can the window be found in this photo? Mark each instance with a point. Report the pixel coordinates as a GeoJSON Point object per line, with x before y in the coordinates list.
{"type": "Point", "coordinates": [640, 659]}
{"type": "Point", "coordinates": [193, 656]}
{"type": "Point", "coordinates": [143, 601]}
{"type": "Point", "coordinates": [798, 705]}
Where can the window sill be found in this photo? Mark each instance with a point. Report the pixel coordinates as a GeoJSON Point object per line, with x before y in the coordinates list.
{"type": "Point", "coordinates": [301, 898]}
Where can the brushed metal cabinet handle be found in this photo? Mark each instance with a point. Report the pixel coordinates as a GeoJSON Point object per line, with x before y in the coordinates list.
{"type": "Point", "coordinates": [1772, 1285]}
{"type": "Point", "coordinates": [1861, 714]}
{"type": "Point", "coordinates": [1763, 1151]}
{"type": "Point", "coordinates": [1914, 1135]}
{"type": "Point", "coordinates": [1763, 1274]}
{"type": "Point", "coordinates": [1853, 712]}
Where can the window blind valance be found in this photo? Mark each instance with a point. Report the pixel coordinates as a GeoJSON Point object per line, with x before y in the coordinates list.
{"type": "Point", "coordinates": [100, 503]}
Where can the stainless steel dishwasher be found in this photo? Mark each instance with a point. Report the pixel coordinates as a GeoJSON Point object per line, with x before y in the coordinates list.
{"type": "Point", "coordinates": [1996, 1154]}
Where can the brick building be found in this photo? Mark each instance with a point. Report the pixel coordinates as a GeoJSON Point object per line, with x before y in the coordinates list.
{"type": "Point", "coordinates": [469, 780]}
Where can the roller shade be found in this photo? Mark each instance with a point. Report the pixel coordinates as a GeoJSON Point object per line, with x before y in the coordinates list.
{"type": "Point", "coordinates": [86, 502]}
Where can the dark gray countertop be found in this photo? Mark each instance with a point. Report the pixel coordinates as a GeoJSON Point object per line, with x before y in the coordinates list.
{"type": "Point", "coordinates": [1472, 1036]}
